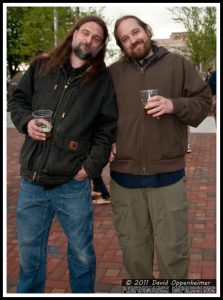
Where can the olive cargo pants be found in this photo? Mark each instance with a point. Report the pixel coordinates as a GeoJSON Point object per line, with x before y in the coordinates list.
{"type": "Point", "coordinates": [149, 217]}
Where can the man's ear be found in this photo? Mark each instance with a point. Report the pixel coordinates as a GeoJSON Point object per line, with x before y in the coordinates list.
{"type": "Point", "coordinates": [148, 32]}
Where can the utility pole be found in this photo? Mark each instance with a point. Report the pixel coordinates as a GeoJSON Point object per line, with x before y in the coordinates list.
{"type": "Point", "coordinates": [78, 11]}
{"type": "Point", "coordinates": [55, 25]}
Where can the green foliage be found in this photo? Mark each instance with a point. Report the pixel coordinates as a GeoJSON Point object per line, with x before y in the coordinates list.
{"type": "Point", "coordinates": [31, 29]}
{"type": "Point", "coordinates": [15, 18]}
{"type": "Point", "coordinates": [37, 31]}
{"type": "Point", "coordinates": [200, 23]}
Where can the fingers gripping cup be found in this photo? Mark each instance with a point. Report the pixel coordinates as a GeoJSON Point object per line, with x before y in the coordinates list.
{"type": "Point", "coordinates": [43, 120]}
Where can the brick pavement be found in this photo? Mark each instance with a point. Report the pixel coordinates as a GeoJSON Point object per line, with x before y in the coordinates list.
{"type": "Point", "coordinates": [201, 182]}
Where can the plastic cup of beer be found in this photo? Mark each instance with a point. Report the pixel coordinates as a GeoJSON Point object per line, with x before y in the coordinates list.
{"type": "Point", "coordinates": [146, 94]}
{"type": "Point", "coordinates": [43, 120]}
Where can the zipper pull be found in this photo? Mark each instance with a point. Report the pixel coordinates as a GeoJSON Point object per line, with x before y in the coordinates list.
{"type": "Point", "coordinates": [63, 115]}
{"type": "Point", "coordinates": [67, 83]}
{"type": "Point", "coordinates": [34, 175]}
{"type": "Point", "coordinates": [55, 87]}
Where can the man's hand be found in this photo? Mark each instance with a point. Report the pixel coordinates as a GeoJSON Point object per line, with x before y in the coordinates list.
{"type": "Point", "coordinates": [158, 106]}
{"type": "Point", "coordinates": [81, 174]}
{"type": "Point", "coordinates": [113, 153]}
{"type": "Point", "coordinates": [36, 132]}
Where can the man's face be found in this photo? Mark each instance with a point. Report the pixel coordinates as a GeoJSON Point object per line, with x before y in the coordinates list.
{"type": "Point", "coordinates": [136, 42]}
{"type": "Point", "coordinates": [88, 40]}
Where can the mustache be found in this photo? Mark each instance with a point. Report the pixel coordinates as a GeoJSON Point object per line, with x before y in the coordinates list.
{"type": "Point", "coordinates": [85, 46]}
{"type": "Point", "coordinates": [135, 44]}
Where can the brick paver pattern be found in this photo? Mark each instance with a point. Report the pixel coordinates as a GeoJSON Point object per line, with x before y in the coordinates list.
{"type": "Point", "coordinates": [201, 188]}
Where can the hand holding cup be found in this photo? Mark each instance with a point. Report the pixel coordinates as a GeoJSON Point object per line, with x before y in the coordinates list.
{"type": "Point", "coordinates": [145, 95]}
{"type": "Point", "coordinates": [40, 124]}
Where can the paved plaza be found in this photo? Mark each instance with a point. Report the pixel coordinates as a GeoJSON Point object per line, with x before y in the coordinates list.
{"type": "Point", "coordinates": [201, 189]}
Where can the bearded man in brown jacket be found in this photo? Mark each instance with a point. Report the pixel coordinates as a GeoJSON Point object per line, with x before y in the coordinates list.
{"type": "Point", "coordinates": [148, 189]}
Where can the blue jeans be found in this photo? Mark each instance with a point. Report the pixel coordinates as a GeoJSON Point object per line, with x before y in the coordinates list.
{"type": "Point", "coordinates": [36, 208]}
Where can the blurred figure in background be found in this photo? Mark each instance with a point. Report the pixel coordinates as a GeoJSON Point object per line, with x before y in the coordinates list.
{"type": "Point", "coordinates": [212, 84]}
{"type": "Point", "coordinates": [100, 193]}
{"type": "Point", "coordinates": [208, 74]}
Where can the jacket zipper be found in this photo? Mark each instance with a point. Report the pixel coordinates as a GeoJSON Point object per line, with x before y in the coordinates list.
{"type": "Point", "coordinates": [144, 169]}
{"type": "Point", "coordinates": [143, 143]}
{"type": "Point", "coordinates": [67, 83]}
{"type": "Point", "coordinates": [34, 176]}
{"type": "Point", "coordinates": [143, 134]}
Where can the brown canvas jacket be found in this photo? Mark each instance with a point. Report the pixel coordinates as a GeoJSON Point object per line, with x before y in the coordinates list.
{"type": "Point", "coordinates": [145, 145]}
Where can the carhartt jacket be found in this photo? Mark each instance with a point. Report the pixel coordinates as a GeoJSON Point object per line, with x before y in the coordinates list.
{"type": "Point", "coordinates": [146, 145]}
{"type": "Point", "coordinates": [84, 122]}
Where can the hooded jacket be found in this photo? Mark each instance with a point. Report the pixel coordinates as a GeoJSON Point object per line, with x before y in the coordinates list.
{"type": "Point", "coordinates": [84, 121]}
{"type": "Point", "coordinates": [146, 145]}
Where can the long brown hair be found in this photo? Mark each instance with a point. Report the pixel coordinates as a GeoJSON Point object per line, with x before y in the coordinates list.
{"type": "Point", "coordinates": [61, 54]}
{"type": "Point", "coordinates": [142, 24]}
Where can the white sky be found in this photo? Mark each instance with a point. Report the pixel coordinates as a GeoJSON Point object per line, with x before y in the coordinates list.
{"type": "Point", "coordinates": [156, 15]}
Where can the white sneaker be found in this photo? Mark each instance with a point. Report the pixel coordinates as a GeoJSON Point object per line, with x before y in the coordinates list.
{"type": "Point", "coordinates": [188, 148]}
{"type": "Point", "coordinates": [100, 201]}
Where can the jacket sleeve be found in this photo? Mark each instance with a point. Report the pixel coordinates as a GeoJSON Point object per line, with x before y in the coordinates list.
{"type": "Point", "coordinates": [104, 130]}
{"type": "Point", "coordinates": [194, 105]}
{"type": "Point", "coordinates": [20, 103]}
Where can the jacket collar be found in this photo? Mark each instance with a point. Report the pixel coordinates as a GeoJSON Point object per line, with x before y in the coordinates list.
{"type": "Point", "coordinates": [73, 72]}
{"type": "Point", "coordinates": [158, 52]}
{"type": "Point", "coordinates": [147, 60]}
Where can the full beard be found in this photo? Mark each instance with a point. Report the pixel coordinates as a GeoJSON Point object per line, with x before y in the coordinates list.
{"type": "Point", "coordinates": [83, 52]}
{"type": "Point", "coordinates": [139, 52]}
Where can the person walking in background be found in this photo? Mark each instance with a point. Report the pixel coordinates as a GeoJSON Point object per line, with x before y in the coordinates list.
{"type": "Point", "coordinates": [189, 150]}
{"type": "Point", "coordinates": [74, 83]}
{"type": "Point", "coordinates": [208, 74]}
{"type": "Point", "coordinates": [100, 192]}
{"type": "Point", "coordinates": [13, 84]}
{"type": "Point", "coordinates": [189, 147]}
{"type": "Point", "coordinates": [147, 163]}
{"type": "Point", "coordinates": [212, 84]}
{"type": "Point", "coordinates": [15, 79]}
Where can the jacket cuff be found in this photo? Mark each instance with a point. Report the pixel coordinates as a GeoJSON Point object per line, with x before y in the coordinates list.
{"type": "Point", "coordinates": [177, 106]}
{"type": "Point", "coordinates": [24, 123]}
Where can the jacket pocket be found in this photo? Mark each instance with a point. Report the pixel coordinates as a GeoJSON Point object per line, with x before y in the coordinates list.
{"type": "Point", "coordinates": [65, 156]}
